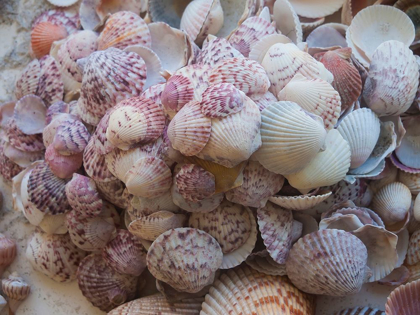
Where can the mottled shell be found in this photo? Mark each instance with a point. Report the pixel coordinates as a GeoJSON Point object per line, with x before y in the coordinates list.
{"type": "Point", "coordinates": [178, 91]}
{"type": "Point", "coordinates": [360, 311]}
{"type": "Point", "coordinates": [287, 21]}
{"type": "Point", "coordinates": [71, 138]}
{"type": "Point", "coordinates": [215, 50]}
{"type": "Point", "coordinates": [195, 183]}
{"type": "Point", "coordinates": [404, 300]}
{"type": "Point", "coordinates": [95, 164]}
{"type": "Point", "coordinates": [115, 192]}
{"type": "Point", "coordinates": [7, 252]}
{"type": "Point", "coordinates": [221, 100]}
{"type": "Point", "coordinates": [16, 289]}
{"type": "Point", "coordinates": [22, 141]}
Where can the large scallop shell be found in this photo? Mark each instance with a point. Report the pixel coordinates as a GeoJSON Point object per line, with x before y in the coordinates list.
{"type": "Point", "coordinates": [181, 248]}
{"type": "Point", "coordinates": [54, 255]}
{"type": "Point", "coordinates": [103, 286]}
{"type": "Point", "coordinates": [330, 262]}
{"type": "Point", "coordinates": [408, 151]}
{"type": "Point", "coordinates": [290, 138]}
{"type": "Point", "coordinates": [404, 300]}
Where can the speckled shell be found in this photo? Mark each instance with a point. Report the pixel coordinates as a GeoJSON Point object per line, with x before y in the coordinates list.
{"type": "Point", "coordinates": [195, 183]}
{"type": "Point", "coordinates": [284, 155]}
{"type": "Point", "coordinates": [215, 50]}
{"type": "Point", "coordinates": [234, 228]}
{"type": "Point", "coordinates": [221, 100]}
{"type": "Point", "coordinates": [125, 254]}
{"type": "Point", "coordinates": [176, 249]}
{"type": "Point", "coordinates": [62, 166]}
{"type": "Point", "coordinates": [101, 144]}
{"type": "Point", "coordinates": [413, 254]}
{"type": "Point", "coordinates": [7, 252]}
{"type": "Point", "coordinates": [71, 137]}
{"type": "Point", "coordinates": [29, 114]}
{"type": "Point", "coordinates": [258, 185]}
{"type": "Point", "coordinates": [404, 299]}
{"type": "Point", "coordinates": [178, 91]}
{"type": "Point", "coordinates": [298, 203]}
{"type": "Point", "coordinates": [103, 286]}
{"type": "Point", "coordinates": [70, 20]}
{"type": "Point", "coordinates": [22, 141]}
{"type": "Point", "coordinates": [360, 311]}
{"type": "Point", "coordinates": [266, 100]}
{"type": "Point", "coordinates": [260, 48]}
{"type": "Point", "coordinates": [95, 164]}
{"type": "Point", "coordinates": [106, 71]}
{"type": "Point", "coordinates": [16, 289]}
{"type": "Point", "coordinates": [54, 255]}
{"type": "Point", "coordinates": [8, 169]}
{"type": "Point", "coordinates": [246, 291]}
{"type": "Point", "coordinates": [315, 96]}
{"type": "Point", "coordinates": [392, 81]}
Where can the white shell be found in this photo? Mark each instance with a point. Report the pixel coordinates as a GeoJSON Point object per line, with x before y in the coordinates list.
{"type": "Point", "coordinates": [316, 8]}
{"type": "Point", "coordinates": [287, 21]}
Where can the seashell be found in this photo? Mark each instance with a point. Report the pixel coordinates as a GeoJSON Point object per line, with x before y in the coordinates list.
{"type": "Point", "coordinates": [178, 91]}
{"type": "Point", "coordinates": [151, 226]}
{"type": "Point", "coordinates": [244, 290]}
{"type": "Point", "coordinates": [3, 303]}
{"type": "Point", "coordinates": [145, 206]}
{"type": "Point", "coordinates": [16, 289]}
{"type": "Point", "coordinates": [125, 254]}
{"type": "Point", "coordinates": [50, 84]}
{"type": "Point", "coordinates": [347, 80]}
{"type": "Point", "coordinates": [21, 158]}
{"type": "Point", "coordinates": [407, 152]}
{"type": "Point", "coordinates": [327, 168]}
{"type": "Point", "coordinates": [390, 209]}
{"type": "Point", "coordinates": [402, 246]}
{"type": "Point", "coordinates": [71, 138]}
{"type": "Point", "coordinates": [298, 203]}
{"type": "Point", "coordinates": [115, 192]}
{"type": "Point", "coordinates": [413, 255]}
{"type": "Point", "coordinates": [411, 8]}
{"type": "Point", "coordinates": [215, 50]}
{"type": "Point", "coordinates": [83, 196]}
{"type": "Point", "coordinates": [221, 100]}
{"type": "Point", "coordinates": [416, 208]}
{"type": "Point", "coordinates": [266, 100]}
{"type": "Point", "coordinates": [329, 36]}
{"type": "Point", "coordinates": [289, 118]}
{"type": "Point", "coordinates": [201, 18]}
{"type": "Point", "coordinates": [6, 112]}
{"type": "Point", "coordinates": [316, 9]}
{"type": "Point", "coordinates": [260, 48]}
{"type": "Point", "coordinates": [8, 169]}
{"type": "Point", "coordinates": [265, 264]}
{"type": "Point", "coordinates": [381, 247]}
{"type": "Point", "coordinates": [234, 228]}
{"type": "Point", "coordinates": [157, 303]}
{"type": "Point", "coordinates": [287, 21]}
{"type": "Point", "coordinates": [315, 96]}
{"type": "Point", "coordinates": [62, 3]}
{"type": "Point", "coordinates": [171, 258]}
{"type": "Point", "coordinates": [401, 166]}
{"type": "Point", "coordinates": [278, 242]}
{"type": "Point", "coordinates": [135, 121]}
{"type": "Point", "coordinates": [103, 286]}
{"type": "Point", "coordinates": [109, 7]}
{"type": "Point", "coordinates": [29, 114]}
{"type": "Point", "coordinates": [43, 35]}
{"type": "Point", "coordinates": [309, 24]}
{"type": "Point", "coordinates": [195, 183]}
{"type": "Point", "coordinates": [90, 234]}
{"type": "Point", "coordinates": [102, 70]}
{"type": "Point", "coordinates": [22, 141]}
{"type": "Point", "coordinates": [246, 75]}
{"type": "Point", "coordinates": [360, 310]}
{"type": "Point", "coordinates": [397, 277]}
{"type": "Point", "coordinates": [310, 260]}
{"type": "Point", "coordinates": [95, 164]}
{"type": "Point", "coordinates": [50, 130]}
{"type": "Point", "coordinates": [28, 81]}
{"type": "Point", "coordinates": [62, 166]}
{"type": "Point", "coordinates": [154, 93]}
{"type": "Point", "coordinates": [67, 18]}
{"type": "Point", "coordinates": [7, 252]}
{"type": "Point", "coordinates": [258, 186]}
{"type": "Point", "coordinates": [375, 25]}
{"type": "Point", "coordinates": [54, 255]}
{"type": "Point", "coordinates": [390, 88]}
{"type": "Point", "coordinates": [403, 300]}
{"type": "Point", "coordinates": [283, 61]}
{"type": "Point", "coordinates": [361, 129]}
{"type": "Point", "coordinates": [57, 108]}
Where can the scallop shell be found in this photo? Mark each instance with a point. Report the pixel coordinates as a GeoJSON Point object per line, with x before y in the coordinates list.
{"type": "Point", "coordinates": [95, 164]}
{"type": "Point", "coordinates": [316, 9]}
{"type": "Point", "coordinates": [408, 151]}
{"type": "Point", "coordinates": [71, 137]}
{"type": "Point", "coordinates": [8, 169]}
{"type": "Point", "coordinates": [413, 254]}
{"type": "Point", "coordinates": [260, 48]}
{"type": "Point", "coordinates": [299, 203]}
{"type": "Point", "coordinates": [311, 258]}
{"type": "Point", "coordinates": [69, 19]}
{"type": "Point", "coordinates": [154, 93]}
{"type": "Point", "coordinates": [283, 61]}
{"type": "Point", "coordinates": [21, 158]}
{"type": "Point", "coordinates": [7, 252]}
{"type": "Point", "coordinates": [288, 118]}
{"type": "Point", "coordinates": [167, 11]}
{"type": "Point", "coordinates": [115, 192]}
{"type": "Point", "coordinates": [171, 253]}
{"type": "Point", "coordinates": [54, 110]}
{"type": "Point", "coordinates": [195, 183]}
{"type": "Point", "coordinates": [178, 91]}
{"type": "Point", "coordinates": [54, 255]}
{"type": "Point", "coordinates": [390, 88]}
{"type": "Point", "coordinates": [404, 299]}
{"type": "Point", "coordinates": [266, 100]}
{"type": "Point", "coordinates": [360, 311]}
{"type": "Point", "coordinates": [221, 100]}
{"type": "Point", "coordinates": [123, 29]}
{"type": "Point", "coordinates": [27, 83]}
{"type": "Point", "coordinates": [29, 114]}
{"type": "Point", "coordinates": [62, 166]}
{"type": "Point", "coordinates": [258, 186]}
{"type": "Point", "coordinates": [125, 254]}
{"type": "Point", "coordinates": [103, 286]}
{"type": "Point", "coordinates": [246, 291]}
{"type": "Point", "coordinates": [62, 3]}
{"type": "Point", "coordinates": [21, 141]}
{"type": "Point", "coordinates": [315, 96]}
{"type": "Point", "coordinates": [215, 50]}
{"type": "Point", "coordinates": [43, 35]}
{"type": "Point", "coordinates": [287, 21]}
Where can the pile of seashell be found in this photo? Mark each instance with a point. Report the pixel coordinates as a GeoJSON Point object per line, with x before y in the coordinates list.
{"type": "Point", "coordinates": [219, 175]}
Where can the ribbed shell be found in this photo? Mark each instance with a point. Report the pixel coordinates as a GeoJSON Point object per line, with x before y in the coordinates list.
{"type": "Point", "coordinates": [71, 138]}
{"type": "Point", "coordinates": [43, 35]}
{"type": "Point", "coordinates": [260, 48]}
{"type": "Point", "coordinates": [15, 289]}
{"type": "Point", "coordinates": [62, 166]}
{"type": "Point", "coordinates": [361, 311]}
{"type": "Point", "coordinates": [59, 17]}
{"type": "Point", "coordinates": [287, 21]}
{"type": "Point", "coordinates": [175, 250]}
{"type": "Point", "coordinates": [95, 164]}
{"type": "Point", "coordinates": [103, 286]}
{"type": "Point", "coordinates": [404, 300]}
{"type": "Point", "coordinates": [8, 169]}
{"type": "Point", "coordinates": [178, 91]}
{"type": "Point", "coordinates": [266, 100]}
{"type": "Point", "coordinates": [29, 114]}
{"type": "Point", "coordinates": [50, 84]}
{"type": "Point", "coordinates": [265, 264]}
{"type": "Point", "coordinates": [21, 158]}
{"type": "Point", "coordinates": [290, 138]}
{"type": "Point", "coordinates": [22, 141]}
{"type": "Point", "coordinates": [195, 183]}
{"type": "Point", "coordinates": [329, 262]}
{"type": "Point", "coordinates": [145, 206]}
{"type": "Point", "coordinates": [54, 255]}
{"type": "Point", "coordinates": [298, 203]}
{"type": "Point", "coordinates": [413, 253]}
{"type": "Point", "coordinates": [27, 83]}
{"type": "Point", "coordinates": [246, 291]}
{"type": "Point", "coordinates": [7, 252]}
{"type": "Point", "coordinates": [221, 100]}
{"type": "Point", "coordinates": [115, 192]}
{"type": "Point", "coordinates": [314, 9]}
{"type": "Point", "coordinates": [215, 50]}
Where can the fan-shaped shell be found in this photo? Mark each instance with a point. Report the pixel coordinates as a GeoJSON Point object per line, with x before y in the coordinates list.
{"type": "Point", "coordinates": [115, 192]}
{"type": "Point", "coordinates": [22, 141]}
{"type": "Point", "coordinates": [195, 183]}
{"type": "Point", "coordinates": [260, 48]}
{"type": "Point", "coordinates": [408, 151]}
{"type": "Point", "coordinates": [146, 206]}
{"type": "Point", "coordinates": [316, 9]}
{"type": "Point", "coordinates": [404, 300]}
{"type": "Point", "coordinates": [62, 166]}
{"type": "Point", "coordinates": [7, 252]}
{"type": "Point", "coordinates": [215, 50]}
{"type": "Point", "coordinates": [50, 84]}
{"type": "Point", "coordinates": [27, 83]}
{"type": "Point", "coordinates": [221, 100]}
{"type": "Point", "coordinates": [287, 21]}
{"type": "Point", "coordinates": [29, 114]}
{"type": "Point", "coordinates": [43, 35]}
{"type": "Point", "coordinates": [298, 203]}
{"type": "Point", "coordinates": [71, 137]}
{"type": "Point", "coordinates": [95, 164]}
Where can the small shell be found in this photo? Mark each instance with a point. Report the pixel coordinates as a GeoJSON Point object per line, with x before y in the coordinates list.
{"type": "Point", "coordinates": [54, 255]}
{"type": "Point", "coordinates": [95, 164]}
{"type": "Point", "coordinates": [62, 166]}
{"type": "Point", "coordinates": [16, 290]}
{"type": "Point", "coordinates": [287, 21]}
{"type": "Point", "coordinates": [125, 254]}
{"type": "Point", "coordinates": [221, 100]}
{"type": "Point", "coordinates": [50, 84]}
{"type": "Point", "coordinates": [27, 83]}
{"type": "Point", "coordinates": [309, 269]}
{"type": "Point", "coordinates": [316, 9]}
{"type": "Point", "coordinates": [195, 183]}
{"type": "Point", "coordinates": [172, 252]}
{"type": "Point", "coordinates": [404, 299]}
{"type": "Point", "coordinates": [408, 151]}
{"type": "Point", "coordinates": [43, 35]}
{"type": "Point", "coordinates": [260, 48]}
{"type": "Point", "coordinates": [315, 96]}
{"type": "Point", "coordinates": [103, 286]}
{"type": "Point", "coordinates": [299, 203]}
{"type": "Point", "coordinates": [215, 50]}
{"type": "Point", "coordinates": [21, 158]}
{"type": "Point", "coordinates": [306, 136]}
{"type": "Point", "coordinates": [7, 252]}
{"type": "Point", "coordinates": [71, 138]}
{"type": "Point", "coordinates": [360, 311]}
{"type": "Point", "coordinates": [413, 254]}
{"type": "Point", "coordinates": [123, 29]}
{"type": "Point", "coordinates": [115, 192]}
{"type": "Point", "coordinates": [29, 114]}
{"type": "Point", "coordinates": [22, 141]}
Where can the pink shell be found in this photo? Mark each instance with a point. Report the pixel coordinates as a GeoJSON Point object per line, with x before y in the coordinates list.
{"type": "Point", "coordinates": [178, 91]}
{"type": "Point", "coordinates": [195, 183]}
{"type": "Point", "coordinates": [216, 50]}
{"type": "Point", "coordinates": [56, 108]}
{"type": "Point", "coordinates": [101, 144]}
{"type": "Point", "coordinates": [95, 164]}
{"type": "Point", "coordinates": [21, 141]}
{"type": "Point", "coordinates": [71, 138]}
{"type": "Point", "coordinates": [221, 100]}
{"type": "Point", "coordinates": [63, 166]}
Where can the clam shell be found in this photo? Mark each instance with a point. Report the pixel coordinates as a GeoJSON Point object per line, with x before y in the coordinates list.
{"type": "Point", "coordinates": [361, 129]}
{"type": "Point", "coordinates": [172, 252]}
{"type": "Point", "coordinates": [215, 50]}
{"type": "Point", "coordinates": [29, 114]}
{"type": "Point", "coordinates": [404, 299]}
{"type": "Point", "coordinates": [234, 228]}
{"type": "Point", "coordinates": [246, 291]}
{"type": "Point", "coordinates": [338, 257]}
{"type": "Point", "coordinates": [360, 311]}
{"type": "Point", "coordinates": [43, 35]}
{"type": "Point", "coordinates": [95, 164]}
{"type": "Point", "coordinates": [125, 254]}
{"type": "Point", "coordinates": [103, 286]}
{"type": "Point", "coordinates": [299, 203]}
{"type": "Point", "coordinates": [221, 100]}
{"type": "Point", "coordinates": [123, 29]}
{"type": "Point", "coordinates": [195, 183]}
{"type": "Point", "coordinates": [54, 255]}
{"type": "Point", "coordinates": [283, 61]}
{"type": "Point", "coordinates": [315, 96]}
{"type": "Point", "coordinates": [390, 87]}
{"type": "Point", "coordinates": [316, 9]}
{"type": "Point", "coordinates": [284, 154]}
{"type": "Point", "coordinates": [287, 21]}
{"type": "Point", "coordinates": [408, 151]}
{"type": "Point", "coordinates": [62, 166]}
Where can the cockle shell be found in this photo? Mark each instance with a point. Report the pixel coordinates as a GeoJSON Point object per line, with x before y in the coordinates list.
{"type": "Point", "coordinates": [286, 146]}
{"type": "Point", "coordinates": [337, 257]}
{"type": "Point", "coordinates": [246, 291]}
{"type": "Point", "coordinates": [16, 289]}
{"type": "Point", "coordinates": [287, 21]}
{"type": "Point", "coordinates": [62, 166]}
{"type": "Point", "coordinates": [215, 50]}
{"type": "Point", "coordinates": [172, 251]}
{"type": "Point", "coordinates": [234, 228]}
{"type": "Point", "coordinates": [54, 255]}
{"type": "Point", "coordinates": [360, 311]}
{"type": "Point", "coordinates": [283, 61]}
{"type": "Point", "coordinates": [29, 114]}
{"type": "Point", "coordinates": [123, 29]}
{"type": "Point", "coordinates": [408, 151]}
{"type": "Point", "coordinates": [301, 202]}
{"type": "Point", "coordinates": [404, 300]}
{"type": "Point", "coordinates": [258, 185]}
{"type": "Point", "coordinates": [195, 183]}
{"type": "Point", "coordinates": [178, 91]}
{"type": "Point", "coordinates": [7, 252]}
{"type": "Point", "coordinates": [390, 88]}
{"type": "Point", "coordinates": [103, 286]}
{"type": "Point", "coordinates": [316, 9]}
{"type": "Point", "coordinates": [315, 96]}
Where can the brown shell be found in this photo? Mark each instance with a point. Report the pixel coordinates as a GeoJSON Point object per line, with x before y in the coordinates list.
{"type": "Point", "coordinates": [15, 289]}
{"type": "Point", "coordinates": [7, 252]}
{"type": "Point", "coordinates": [195, 183]}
